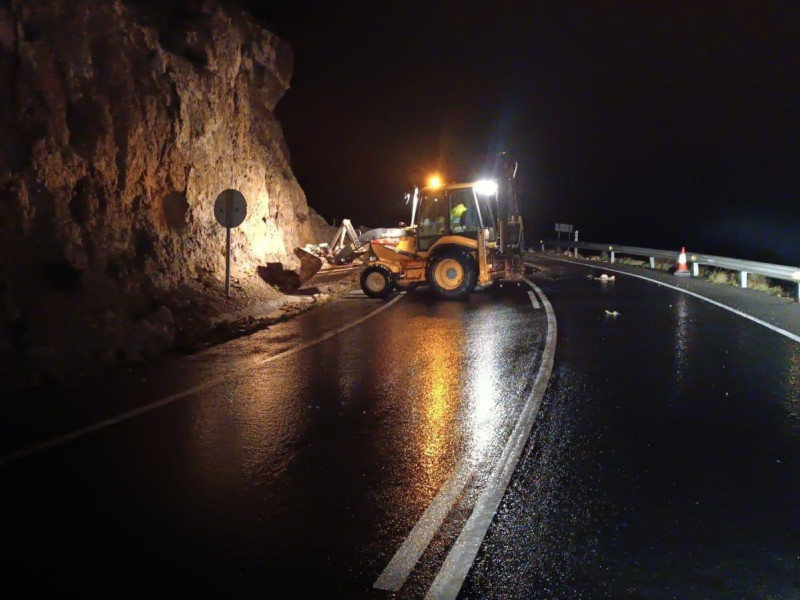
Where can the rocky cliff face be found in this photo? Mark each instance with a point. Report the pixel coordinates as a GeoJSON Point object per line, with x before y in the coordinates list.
{"type": "Point", "coordinates": [121, 122]}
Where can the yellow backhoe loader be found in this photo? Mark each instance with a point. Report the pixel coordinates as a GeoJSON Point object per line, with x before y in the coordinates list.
{"type": "Point", "coordinates": [461, 236]}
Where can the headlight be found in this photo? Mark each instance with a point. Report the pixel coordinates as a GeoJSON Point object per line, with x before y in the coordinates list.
{"type": "Point", "coordinates": [486, 187]}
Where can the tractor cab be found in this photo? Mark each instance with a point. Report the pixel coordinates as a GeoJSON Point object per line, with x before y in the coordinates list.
{"type": "Point", "coordinates": [461, 209]}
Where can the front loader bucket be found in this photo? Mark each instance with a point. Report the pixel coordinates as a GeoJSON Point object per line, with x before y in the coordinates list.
{"type": "Point", "coordinates": [315, 271]}
{"type": "Point", "coordinates": [310, 264]}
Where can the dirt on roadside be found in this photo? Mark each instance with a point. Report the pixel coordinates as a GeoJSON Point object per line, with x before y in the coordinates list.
{"type": "Point", "coordinates": [201, 327]}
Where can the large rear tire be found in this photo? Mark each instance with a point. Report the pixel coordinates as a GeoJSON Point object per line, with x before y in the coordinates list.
{"type": "Point", "coordinates": [377, 281]}
{"type": "Point", "coordinates": [452, 274]}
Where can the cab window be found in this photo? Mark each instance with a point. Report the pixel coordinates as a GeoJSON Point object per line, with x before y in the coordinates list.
{"type": "Point", "coordinates": [464, 217]}
{"type": "Point", "coordinates": [433, 214]}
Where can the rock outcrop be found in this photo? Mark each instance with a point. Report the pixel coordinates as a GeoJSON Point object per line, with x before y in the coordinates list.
{"type": "Point", "coordinates": [121, 122]}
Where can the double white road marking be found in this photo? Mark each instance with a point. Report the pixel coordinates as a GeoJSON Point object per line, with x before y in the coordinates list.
{"type": "Point", "coordinates": [454, 571]}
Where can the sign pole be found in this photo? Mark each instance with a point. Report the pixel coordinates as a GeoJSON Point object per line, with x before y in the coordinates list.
{"type": "Point", "coordinates": [230, 209]}
{"type": "Point", "coordinates": [228, 261]}
{"type": "Point", "coordinates": [228, 245]}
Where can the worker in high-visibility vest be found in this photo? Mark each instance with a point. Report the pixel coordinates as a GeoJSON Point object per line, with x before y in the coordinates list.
{"type": "Point", "coordinates": [455, 216]}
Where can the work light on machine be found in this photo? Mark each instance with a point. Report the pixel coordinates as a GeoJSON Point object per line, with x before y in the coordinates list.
{"type": "Point", "coordinates": [434, 181]}
{"type": "Point", "coordinates": [485, 187]}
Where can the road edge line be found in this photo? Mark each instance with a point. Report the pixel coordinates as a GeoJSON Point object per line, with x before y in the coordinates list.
{"type": "Point", "coordinates": [462, 555]}
{"type": "Point", "coordinates": [736, 311]}
{"type": "Point", "coordinates": [534, 301]}
{"type": "Point", "coordinates": [95, 427]}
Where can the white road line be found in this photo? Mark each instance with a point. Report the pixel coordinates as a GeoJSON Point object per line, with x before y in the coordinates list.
{"type": "Point", "coordinates": [459, 560]}
{"type": "Point", "coordinates": [735, 311]}
{"type": "Point", "coordinates": [78, 433]}
{"type": "Point", "coordinates": [402, 563]}
{"type": "Point", "coordinates": [534, 301]}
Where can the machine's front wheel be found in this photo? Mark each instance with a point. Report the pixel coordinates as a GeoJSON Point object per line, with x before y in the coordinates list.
{"type": "Point", "coordinates": [452, 274]}
{"type": "Point", "coordinates": [377, 281]}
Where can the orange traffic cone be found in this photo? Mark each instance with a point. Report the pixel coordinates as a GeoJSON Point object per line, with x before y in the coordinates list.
{"type": "Point", "coordinates": [682, 270]}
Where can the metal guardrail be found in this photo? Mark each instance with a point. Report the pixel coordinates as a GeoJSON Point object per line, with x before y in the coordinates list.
{"type": "Point", "coordinates": [744, 267]}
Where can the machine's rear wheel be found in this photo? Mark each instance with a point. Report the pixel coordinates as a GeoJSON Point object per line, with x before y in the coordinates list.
{"type": "Point", "coordinates": [377, 281]}
{"type": "Point", "coordinates": [452, 274]}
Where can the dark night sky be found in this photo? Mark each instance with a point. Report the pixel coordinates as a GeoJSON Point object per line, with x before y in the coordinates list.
{"type": "Point", "coordinates": [661, 124]}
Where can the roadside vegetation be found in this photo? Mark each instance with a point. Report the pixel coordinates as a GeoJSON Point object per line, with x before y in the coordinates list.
{"type": "Point", "coordinates": [754, 281]}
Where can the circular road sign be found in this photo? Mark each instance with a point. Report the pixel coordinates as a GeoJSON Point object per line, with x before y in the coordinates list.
{"type": "Point", "coordinates": [230, 208]}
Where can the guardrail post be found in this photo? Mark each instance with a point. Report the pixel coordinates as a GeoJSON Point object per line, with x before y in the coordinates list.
{"type": "Point", "coordinates": [743, 278]}
{"type": "Point", "coordinates": [612, 257]}
{"type": "Point", "coordinates": [652, 262]}
{"type": "Point", "coordinates": [695, 269]}
{"type": "Point", "coordinates": [575, 252]}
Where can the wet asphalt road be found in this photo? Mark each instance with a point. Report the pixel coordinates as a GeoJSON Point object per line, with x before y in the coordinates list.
{"type": "Point", "coordinates": [663, 462]}
{"type": "Point", "coordinates": [299, 476]}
